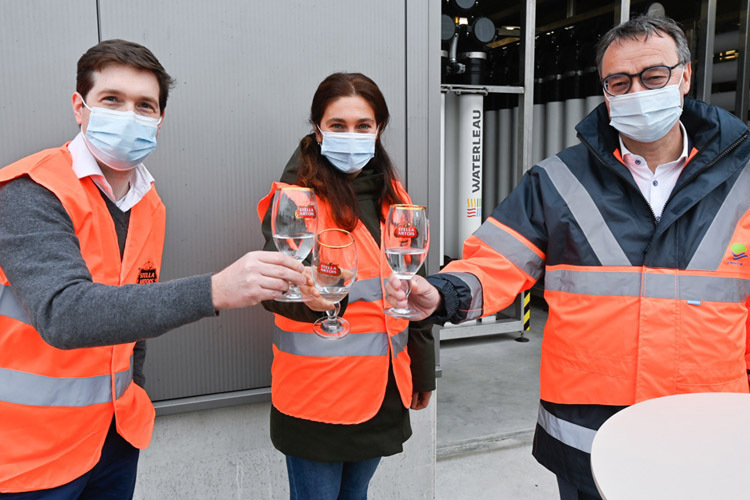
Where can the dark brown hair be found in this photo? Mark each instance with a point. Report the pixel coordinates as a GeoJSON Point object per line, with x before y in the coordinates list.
{"type": "Point", "coordinates": [121, 52]}
{"type": "Point", "coordinates": [328, 182]}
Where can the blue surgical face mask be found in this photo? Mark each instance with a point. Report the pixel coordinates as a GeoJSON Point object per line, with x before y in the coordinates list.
{"type": "Point", "coordinates": [348, 152]}
{"type": "Point", "coordinates": [648, 115]}
{"type": "Point", "coordinates": [120, 139]}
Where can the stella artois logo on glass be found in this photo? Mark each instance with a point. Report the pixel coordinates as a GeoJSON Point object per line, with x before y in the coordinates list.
{"type": "Point", "coordinates": [405, 231]}
{"type": "Point", "coordinates": [329, 269]}
{"type": "Point", "coordinates": [305, 212]}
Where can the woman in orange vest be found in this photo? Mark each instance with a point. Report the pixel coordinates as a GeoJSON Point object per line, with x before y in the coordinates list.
{"type": "Point", "coordinates": [341, 405]}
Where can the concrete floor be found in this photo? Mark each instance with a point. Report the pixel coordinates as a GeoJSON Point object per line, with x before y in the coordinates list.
{"type": "Point", "coordinates": [487, 406]}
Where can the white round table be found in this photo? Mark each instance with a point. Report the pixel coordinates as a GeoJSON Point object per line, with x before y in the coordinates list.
{"type": "Point", "coordinates": [687, 446]}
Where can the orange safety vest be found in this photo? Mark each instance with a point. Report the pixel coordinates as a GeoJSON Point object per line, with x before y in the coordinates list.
{"type": "Point", "coordinates": [342, 381]}
{"type": "Point", "coordinates": [56, 405]}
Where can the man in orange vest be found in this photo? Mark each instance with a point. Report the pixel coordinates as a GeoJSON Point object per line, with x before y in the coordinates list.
{"type": "Point", "coordinates": [81, 237]}
{"type": "Point", "coordinates": [642, 233]}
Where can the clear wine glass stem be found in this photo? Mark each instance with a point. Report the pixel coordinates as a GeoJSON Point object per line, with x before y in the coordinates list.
{"type": "Point", "coordinates": [330, 323]}
{"type": "Point", "coordinates": [406, 286]}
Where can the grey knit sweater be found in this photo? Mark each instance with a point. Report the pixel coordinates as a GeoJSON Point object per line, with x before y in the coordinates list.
{"type": "Point", "coordinates": [40, 254]}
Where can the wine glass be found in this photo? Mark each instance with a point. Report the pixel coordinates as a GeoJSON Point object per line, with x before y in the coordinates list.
{"type": "Point", "coordinates": [334, 269]}
{"type": "Point", "coordinates": [294, 218]}
{"type": "Point", "coordinates": [405, 242]}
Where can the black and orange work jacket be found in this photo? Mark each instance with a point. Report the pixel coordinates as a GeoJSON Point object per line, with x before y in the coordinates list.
{"type": "Point", "coordinates": [639, 306]}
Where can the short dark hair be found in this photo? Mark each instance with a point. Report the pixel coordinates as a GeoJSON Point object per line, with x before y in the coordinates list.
{"type": "Point", "coordinates": [121, 52]}
{"type": "Point", "coordinates": [643, 27]}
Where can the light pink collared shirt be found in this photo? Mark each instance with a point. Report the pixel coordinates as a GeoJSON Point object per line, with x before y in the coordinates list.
{"type": "Point", "coordinates": [84, 165]}
{"type": "Point", "coordinates": [658, 185]}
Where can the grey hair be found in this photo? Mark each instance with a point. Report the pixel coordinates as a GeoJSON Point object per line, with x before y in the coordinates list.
{"type": "Point", "coordinates": [643, 27]}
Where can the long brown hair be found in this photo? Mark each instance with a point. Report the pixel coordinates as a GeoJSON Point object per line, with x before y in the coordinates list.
{"type": "Point", "coordinates": [328, 182]}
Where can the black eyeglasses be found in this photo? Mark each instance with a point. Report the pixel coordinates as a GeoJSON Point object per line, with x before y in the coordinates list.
{"type": "Point", "coordinates": [652, 78]}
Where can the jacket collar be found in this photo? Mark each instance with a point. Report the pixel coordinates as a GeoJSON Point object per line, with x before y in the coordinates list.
{"type": "Point", "coordinates": [713, 131]}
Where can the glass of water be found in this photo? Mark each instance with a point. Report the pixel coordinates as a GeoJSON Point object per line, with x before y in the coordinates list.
{"type": "Point", "coordinates": [405, 242]}
{"type": "Point", "coordinates": [334, 270]}
{"type": "Point", "coordinates": [294, 218]}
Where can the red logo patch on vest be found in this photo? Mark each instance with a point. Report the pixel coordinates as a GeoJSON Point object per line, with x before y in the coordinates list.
{"type": "Point", "coordinates": [147, 274]}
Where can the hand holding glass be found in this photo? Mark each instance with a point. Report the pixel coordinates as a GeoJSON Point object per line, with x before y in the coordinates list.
{"type": "Point", "coordinates": [405, 243]}
{"type": "Point", "coordinates": [334, 270]}
{"type": "Point", "coordinates": [294, 219]}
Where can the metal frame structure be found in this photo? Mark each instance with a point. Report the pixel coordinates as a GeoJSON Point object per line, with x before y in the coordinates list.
{"type": "Point", "coordinates": [515, 323]}
{"type": "Point", "coordinates": [492, 325]}
{"type": "Point", "coordinates": [704, 69]}
{"type": "Point", "coordinates": [705, 55]}
{"type": "Point", "coordinates": [742, 97]}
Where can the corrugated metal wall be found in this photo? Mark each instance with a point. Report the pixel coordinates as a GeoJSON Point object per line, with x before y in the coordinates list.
{"type": "Point", "coordinates": [246, 73]}
{"type": "Point", "coordinates": [40, 43]}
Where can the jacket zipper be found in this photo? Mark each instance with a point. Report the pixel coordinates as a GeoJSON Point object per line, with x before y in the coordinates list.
{"type": "Point", "coordinates": [601, 160]}
{"type": "Point", "coordinates": [710, 164]}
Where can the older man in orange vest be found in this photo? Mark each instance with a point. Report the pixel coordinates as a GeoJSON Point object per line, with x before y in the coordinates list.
{"type": "Point", "coordinates": [642, 231]}
{"type": "Point", "coordinates": [81, 237]}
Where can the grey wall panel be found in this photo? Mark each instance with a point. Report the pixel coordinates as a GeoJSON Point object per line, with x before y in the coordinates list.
{"type": "Point", "coordinates": [246, 73]}
{"type": "Point", "coordinates": [423, 118]}
{"type": "Point", "coordinates": [38, 53]}
{"type": "Point", "coordinates": [423, 105]}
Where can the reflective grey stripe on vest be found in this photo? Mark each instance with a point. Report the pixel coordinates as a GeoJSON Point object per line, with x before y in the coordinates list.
{"type": "Point", "coordinates": [717, 239]}
{"type": "Point", "coordinates": [399, 341]}
{"type": "Point", "coordinates": [593, 283]}
{"type": "Point", "coordinates": [587, 215]}
{"type": "Point", "coordinates": [696, 288]}
{"type": "Point", "coordinates": [39, 390]}
{"type": "Point", "coordinates": [368, 290]}
{"type": "Point", "coordinates": [309, 344]}
{"type": "Point", "coordinates": [574, 435]}
{"type": "Point", "coordinates": [510, 248]}
{"type": "Point", "coordinates": [10, 307]}
{"type": "Point", "coordinates": [660, 286]}
{"type": "Point", "coordinates": [477, 299]}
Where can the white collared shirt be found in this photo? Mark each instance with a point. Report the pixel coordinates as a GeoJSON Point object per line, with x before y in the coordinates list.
{"type": "Point", "coordinates": [658, 185]}
{"type": "Point", "coordinates": [84, 165]}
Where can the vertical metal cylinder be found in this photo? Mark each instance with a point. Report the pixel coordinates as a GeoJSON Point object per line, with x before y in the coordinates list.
{"type": "Point", "coordinates": [592, 102]}
{"type": "Point", "coordinates": [515, 142]}
{"type": "Point", "coordinates": [553, 127]}
{"type": "Point", "coordinates": [537, 131]}
{"type": "Point", "coordinates": [574, 111]}
{"type": "Point", "coordinates": [441, 245]}
{"type": "Point", "coordinates": [469, 166]}
{"type": "Point", "coordinates": [726, 41]}
{"type": "Point", "coordinates": [537, 135]}
{"type": "Point", "coordinates": [489, 167]}
{"type": "Point", "coordinates": [553, 95]}
{"type": "Point", "coordinates": [592, 88]}
{"type": "Point", "coordinates": [450, 228]}
{"type": "Point", "coordinates": [504, 151]}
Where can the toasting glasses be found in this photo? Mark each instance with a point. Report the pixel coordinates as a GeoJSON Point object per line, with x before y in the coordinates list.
{"type": "Point", "coordinates": [405, 242]}
{"type": "Point", "coordinates": [294, 218]}
{"type": "Point", "coordinates": [334, 269]}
